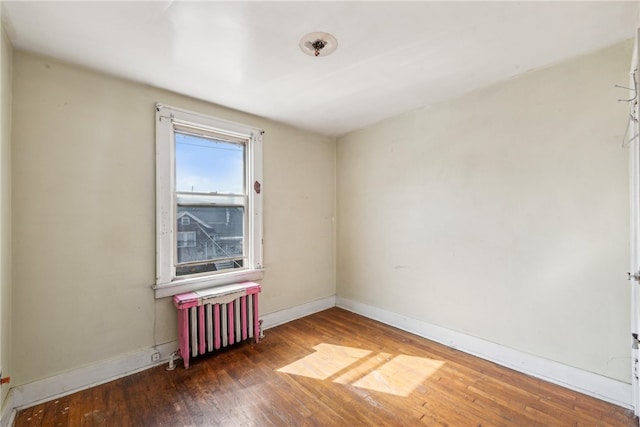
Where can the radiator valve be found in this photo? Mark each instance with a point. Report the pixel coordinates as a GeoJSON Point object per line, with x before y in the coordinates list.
{"type": "Point", "coordinates": [172, 360]}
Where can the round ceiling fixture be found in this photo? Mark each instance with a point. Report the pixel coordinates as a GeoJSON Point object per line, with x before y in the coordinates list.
{"type": "Point", "coordinates": [318, 44]}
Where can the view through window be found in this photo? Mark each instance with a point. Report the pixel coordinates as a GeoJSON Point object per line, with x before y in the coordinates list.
{"type": "Point", "coordinates": [211, 198]}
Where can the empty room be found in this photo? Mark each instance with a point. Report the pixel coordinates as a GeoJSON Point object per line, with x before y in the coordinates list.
{"type": "Point", "coordinates": [319, 213]}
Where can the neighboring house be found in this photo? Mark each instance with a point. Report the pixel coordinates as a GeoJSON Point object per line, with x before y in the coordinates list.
{"type": "Point", "coordinates": [209, 233]}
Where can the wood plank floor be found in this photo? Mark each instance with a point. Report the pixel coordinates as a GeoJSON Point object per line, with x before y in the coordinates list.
{"type": "Point", "coordinates": [332, 368]}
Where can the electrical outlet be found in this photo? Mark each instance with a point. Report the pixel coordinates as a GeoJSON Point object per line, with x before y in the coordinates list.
{"type": "Point", "coordinates": [155, 357]}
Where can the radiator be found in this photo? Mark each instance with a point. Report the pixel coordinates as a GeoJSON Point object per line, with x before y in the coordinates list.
{"type": "Point", "coordinates": [214, 318]}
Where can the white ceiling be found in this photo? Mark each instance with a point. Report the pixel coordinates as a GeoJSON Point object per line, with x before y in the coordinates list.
{"type": "Point", "coordinates": [392, 56]}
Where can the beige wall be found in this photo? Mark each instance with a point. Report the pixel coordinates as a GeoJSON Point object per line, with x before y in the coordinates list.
{"type": "Point", "coordinates": [5, 208]}
{"type": "Point", "coordinates": [84, 216]}
{"type": "Point", "coordinates": [502, 214]}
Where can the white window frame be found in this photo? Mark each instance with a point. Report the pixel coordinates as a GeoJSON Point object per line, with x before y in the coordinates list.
{"type": "Point", "coordinates": [167, 283]}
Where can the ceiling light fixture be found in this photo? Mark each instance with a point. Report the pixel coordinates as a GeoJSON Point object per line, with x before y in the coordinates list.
{"type": "Point", "coordinates": [318, 44]}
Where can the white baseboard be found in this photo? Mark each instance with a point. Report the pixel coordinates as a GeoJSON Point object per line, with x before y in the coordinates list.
{"type": "Point", "coordinates": [66, 383]}
{"type": "Point", "coordinates": [88, 376]}
{"type": "Point", "coordinates": [8, 412]}
{"type": "Point", "coordinates": [607, 389]}
{"type": "Point", "coordinates": [283, 316]}
{"type": "Point", "coordinates": [601, 387]}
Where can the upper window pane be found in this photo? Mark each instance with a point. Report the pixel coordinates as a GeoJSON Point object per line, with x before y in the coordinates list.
{"type": "Point", "coordinates": [207, 165]}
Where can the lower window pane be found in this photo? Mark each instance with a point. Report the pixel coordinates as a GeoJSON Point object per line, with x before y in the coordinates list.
{"type": "Point", "coordinates": [209, 239]}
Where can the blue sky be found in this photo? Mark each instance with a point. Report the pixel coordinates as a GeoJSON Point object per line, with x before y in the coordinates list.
{"type": "Point", "coordinates": [204, 165]}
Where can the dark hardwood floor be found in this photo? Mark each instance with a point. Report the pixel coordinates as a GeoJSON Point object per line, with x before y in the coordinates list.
{"type": "Point", "coordinates": [332, 368]}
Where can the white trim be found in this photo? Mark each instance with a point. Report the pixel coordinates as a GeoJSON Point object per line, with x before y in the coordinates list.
{"type": "Point", "coordinates": [102, 372]}
{"type": "Point", "coordinates": [607, 389]}
{"type": "Point", "coordinates": [88, 376]}
{"type": "Point", "coordinates": [197, 283]}
{"type": "Point", "coordinates": [598, 386]}
{"type": "Point", "coordinates": [255, 174]}
{"type": "Point", "coordinates": [287, 315]}
{"type": "Point", "coordinates": [8, 414]}
{"type": "Point", "coordinates": [634, 232]}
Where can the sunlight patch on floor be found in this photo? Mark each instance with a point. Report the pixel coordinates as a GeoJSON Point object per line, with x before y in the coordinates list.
{"type": "Point", "coordinates": [326, 361]}
{"type": "Point", "coordinates": [400, 376]}
{"type": "Point", "coordinates": [384, 372]}
{"type": "Point", "coordinates": [363, 369]}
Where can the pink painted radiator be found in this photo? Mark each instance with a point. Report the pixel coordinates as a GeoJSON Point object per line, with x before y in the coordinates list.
{"type": "Point", "coordinates": [214, 318]}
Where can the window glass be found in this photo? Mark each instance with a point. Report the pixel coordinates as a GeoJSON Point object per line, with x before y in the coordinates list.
{"type": "Point", "coordinates": [217, 235]}
{"type": "Point", "coordinates": [186, 239]}
{"type": "Point", "coordinates": [210, 203]}
{"type": "Point", "coordinates": [206, 165]}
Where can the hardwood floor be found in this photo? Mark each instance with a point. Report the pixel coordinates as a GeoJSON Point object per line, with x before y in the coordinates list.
{"type": "Point", "coordinates": [332, 368]}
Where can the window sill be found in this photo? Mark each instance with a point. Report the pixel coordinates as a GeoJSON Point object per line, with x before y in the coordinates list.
{"type": "Point", "coordinates": [180, 286]}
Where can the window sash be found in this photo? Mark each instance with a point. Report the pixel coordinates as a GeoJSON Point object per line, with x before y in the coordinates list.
{"type": "Point", "coordinates": [212, 260]}
{"type": "Point", "coordinates": [205, 132]}
{"type": "Point", "coordinates": [208, 199]}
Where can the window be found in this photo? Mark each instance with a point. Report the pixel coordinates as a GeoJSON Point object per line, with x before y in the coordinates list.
{"type": "Point", "coordinates": [208, 197]}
